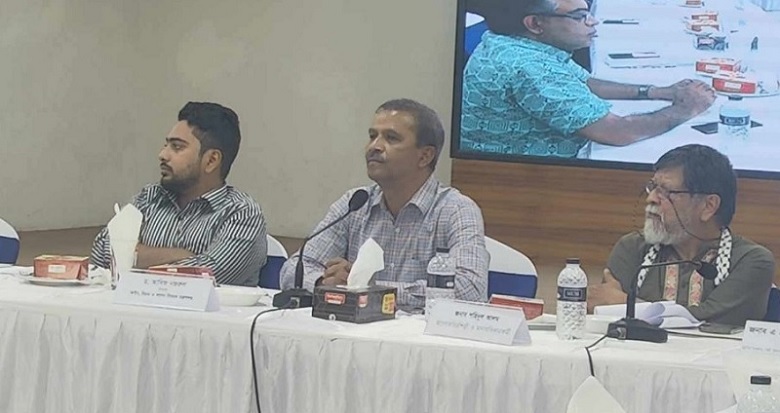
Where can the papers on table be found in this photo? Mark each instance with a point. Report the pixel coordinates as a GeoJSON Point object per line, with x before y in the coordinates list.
{"type": "Point", "coordinates": [664, 314]}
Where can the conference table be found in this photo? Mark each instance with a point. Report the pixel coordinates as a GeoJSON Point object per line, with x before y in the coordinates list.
{"type": "Point", "coordinates": [661, 29]}
{"type": "Point", "coordinates": [70, 349]}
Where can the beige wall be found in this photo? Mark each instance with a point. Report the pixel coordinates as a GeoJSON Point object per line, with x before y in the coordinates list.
{"type": "Point", "coordinates": [304, 78]}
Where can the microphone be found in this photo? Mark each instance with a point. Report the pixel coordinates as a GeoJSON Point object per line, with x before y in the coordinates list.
{"type": "Point", "coordinates": [632, 328]}
{"type": "Point", "coordinates": [299, 297]}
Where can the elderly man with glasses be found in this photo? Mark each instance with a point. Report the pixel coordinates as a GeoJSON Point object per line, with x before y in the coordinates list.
{"type": "Point", "coordinates": [690, 203]}
{"type": "Point", "coordinates": [523, 94]}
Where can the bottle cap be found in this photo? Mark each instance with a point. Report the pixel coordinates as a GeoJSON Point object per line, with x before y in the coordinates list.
{"type": "Point", "coordinates": [572, 260]}
{"type": "Point", "coordinates": [764, 380]}
{"type": "Point", "coordinates": [443, 250]}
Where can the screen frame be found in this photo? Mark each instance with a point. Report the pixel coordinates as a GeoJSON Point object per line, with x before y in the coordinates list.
{"type": "Point", "coordinates": [457, 95]}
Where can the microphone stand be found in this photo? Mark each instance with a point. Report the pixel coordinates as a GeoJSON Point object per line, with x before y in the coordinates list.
{"type": "Point", "coordinates": [299, 297]}
{"type": "Point", "coordinates": [632, 328]}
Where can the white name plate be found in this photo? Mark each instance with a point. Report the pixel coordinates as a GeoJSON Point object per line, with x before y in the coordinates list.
{"type": "Point", "coordinates": [476, 321]}
{"type": "Point", "coordinates": [166, 291]}
{"type": "Point", "coordinates": [762, 336]}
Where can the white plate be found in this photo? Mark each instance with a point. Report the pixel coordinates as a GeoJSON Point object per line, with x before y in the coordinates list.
{"type": "Point", "coordinates": [597, 323]}
{"type": "Point", "coordinates": [543, 322]}
{"type": "Point", "coordinates": [749, 95]}
{"type": "Point", "coordinates": [236, 296]}
{"type": "Point", "coordinates": [51, 282]}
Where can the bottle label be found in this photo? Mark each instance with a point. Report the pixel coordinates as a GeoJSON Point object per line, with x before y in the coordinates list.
{"type": "Point", "coordinates": [735, 120]}
{"type": "Point", "coordinates": [572, 294]}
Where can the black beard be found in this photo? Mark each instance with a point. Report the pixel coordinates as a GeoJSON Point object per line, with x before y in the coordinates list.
{"type": "Point", "coordinates": [178, 186]}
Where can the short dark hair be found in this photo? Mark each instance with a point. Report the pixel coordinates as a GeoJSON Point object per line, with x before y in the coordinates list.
{"type": "Point", "coordinates": [705, 171]}
{"type": "Point", "coordinates": [216, 127]}
{"type": "Point", "coordinates": [506, 16]}
{"type": "Point", "coordinates": [428, 127]}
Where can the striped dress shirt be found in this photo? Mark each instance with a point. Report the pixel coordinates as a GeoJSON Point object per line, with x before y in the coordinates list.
{"type": "Point", "coordinates": [224, 228]}
{"type": "Point", "coordinates": [435, 217]}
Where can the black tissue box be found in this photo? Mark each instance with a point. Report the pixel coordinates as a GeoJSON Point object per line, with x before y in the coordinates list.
{"type": "Point", "coordinates": [358, 305]}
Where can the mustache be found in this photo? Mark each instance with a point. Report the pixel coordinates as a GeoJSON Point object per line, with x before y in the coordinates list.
{"type": "Point", "coordinates": [374, 157]}
{"type": "Point", "coordinates": [656, 210]}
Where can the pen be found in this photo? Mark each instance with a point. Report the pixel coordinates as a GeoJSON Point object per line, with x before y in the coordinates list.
{"type": "Point", "coordinates": [620, 21]}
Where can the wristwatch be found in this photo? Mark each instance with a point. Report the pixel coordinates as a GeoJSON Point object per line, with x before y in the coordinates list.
{"type": "Point", "coordinates": [642, 91]}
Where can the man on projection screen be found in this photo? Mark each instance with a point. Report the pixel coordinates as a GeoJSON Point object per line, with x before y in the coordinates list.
{"type": "Point", "coordinates": [523, 94]}
{"type": "Point", "coordinates": [691, 200]}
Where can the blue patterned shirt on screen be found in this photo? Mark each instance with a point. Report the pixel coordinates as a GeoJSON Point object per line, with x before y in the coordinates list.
{"type": "Point", "coordinates": [525, 97]}
{"type": "Point", "coordinates": [224, 228]}
{"type": "Point", "coordinates": [435, 217]}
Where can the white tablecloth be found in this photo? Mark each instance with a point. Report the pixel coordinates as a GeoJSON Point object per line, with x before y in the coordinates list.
{"type": "Point", "coordinates": [390, 366]}
{"type": "Point", "coordinates": [71, 350]}
{"type": "Point", "coordinates": [661, 29]}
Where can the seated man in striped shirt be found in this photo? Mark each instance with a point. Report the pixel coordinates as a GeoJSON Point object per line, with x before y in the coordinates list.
{"type": "Point", "coordinates": [409, 213]}
{"type": "Point", "coordinates": [192, 217]}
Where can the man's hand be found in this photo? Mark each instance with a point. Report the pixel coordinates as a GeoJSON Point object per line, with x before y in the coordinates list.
{"type": "Point", "coordinates": [608, 292]}
{"type": "Point", "coordinates": [147, 256]}
{"type": "Point", "coordinates": [692, 96]}
{"type": "Point", "coordinates": [336, 272]}
{"type": "Point", "coordinates": [668, 92]}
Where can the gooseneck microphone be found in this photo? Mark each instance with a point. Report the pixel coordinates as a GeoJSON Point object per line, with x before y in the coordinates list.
{"type": "Point", "coordinates": [298, 296]}
{"type": "Point", "coordinates": [632, 328]}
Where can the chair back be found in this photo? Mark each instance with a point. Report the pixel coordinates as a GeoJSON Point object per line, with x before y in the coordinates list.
{"type": "Point", "coordinates": [277, 255]}
{"type": "Point", "coordinates": [9, 244]}
{"type": "Point", "coordinates": [773, 306]}
{"type": "Point", "coordinates": [510, 272]}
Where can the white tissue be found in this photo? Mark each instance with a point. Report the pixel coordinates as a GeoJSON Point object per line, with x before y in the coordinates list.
{"type": "Point", "coordinates": [123, 230]}
{"type": "Point", "coordinates": [370, 259]}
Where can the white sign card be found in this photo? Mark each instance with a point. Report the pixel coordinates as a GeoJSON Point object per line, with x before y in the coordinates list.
{"type": "Point", "coordinates": [166, 291]}
{"type": "Point", "coordinates": [762, 336]}
{"type": "Point", "coordinates": [476, 321]}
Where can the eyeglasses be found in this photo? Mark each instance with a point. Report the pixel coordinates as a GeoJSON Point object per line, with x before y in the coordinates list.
{"type": "Point", "coordinates": [579, 16]}
{"type": "Point", "coordinates": [651, 186]}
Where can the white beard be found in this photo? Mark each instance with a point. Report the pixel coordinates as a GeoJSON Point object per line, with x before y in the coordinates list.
{"type": "Point", "coordinates": [655, 232]}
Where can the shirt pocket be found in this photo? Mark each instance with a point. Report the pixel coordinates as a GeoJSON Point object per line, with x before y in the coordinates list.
{"type": "Point", "coordinates": [411, 270]}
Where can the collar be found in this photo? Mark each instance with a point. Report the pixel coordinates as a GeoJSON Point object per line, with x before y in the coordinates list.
{"type": "Point", "coordinates": [534, 45]}
{"type": "Point", "coordinates": [216, 198]}
{"type": "Point", "coordinates": [422, 199]}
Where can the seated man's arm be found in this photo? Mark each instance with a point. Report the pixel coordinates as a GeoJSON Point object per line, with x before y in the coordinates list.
{"type": "Point", "coordinates": [235, 254]}
{"type": "Point", "coordinates": [623, 263]}
{"type": "Point", "coordinates": [608, 292]}
{"type": "Point", "coordinates": [147, 256]}
{"type": "Point", "coordinates": [330, 245]}
{"type": "Point", "coordinates": [688, 101]}
{"type": "Point", "coordinates": [743, 295]}
{"type": "Point", "coordinates": [606, 89]}
{"type": "Point", "coordinates": [466, 235]}
{"type": "Point", "coordinates": [101, 250]}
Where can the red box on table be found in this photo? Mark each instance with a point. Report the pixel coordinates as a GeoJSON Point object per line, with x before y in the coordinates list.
{"type": "Point", "coordinates": [61, 267]}
{"type": "Point", "coordinates": [184, 270]}
{"type": "Point", "coordinates": [713, 65]}
{"type": "Point", "coordinates": [733, 82]}
{"type": "Point", "coordinates": [532, 307]}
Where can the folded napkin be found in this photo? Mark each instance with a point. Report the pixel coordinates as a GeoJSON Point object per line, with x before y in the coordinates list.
{"type": "Point", "coordinates": [592, 397]}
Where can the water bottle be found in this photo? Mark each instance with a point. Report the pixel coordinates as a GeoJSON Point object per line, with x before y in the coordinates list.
{"type": "Point", "coordinates": [759, 398]}
{"type": "Point", "coordinates": [441, 270]}
{"type": "Point", "coordinates": [572, 304]}
{"type": "Point", "coordinates": [734, 121]}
